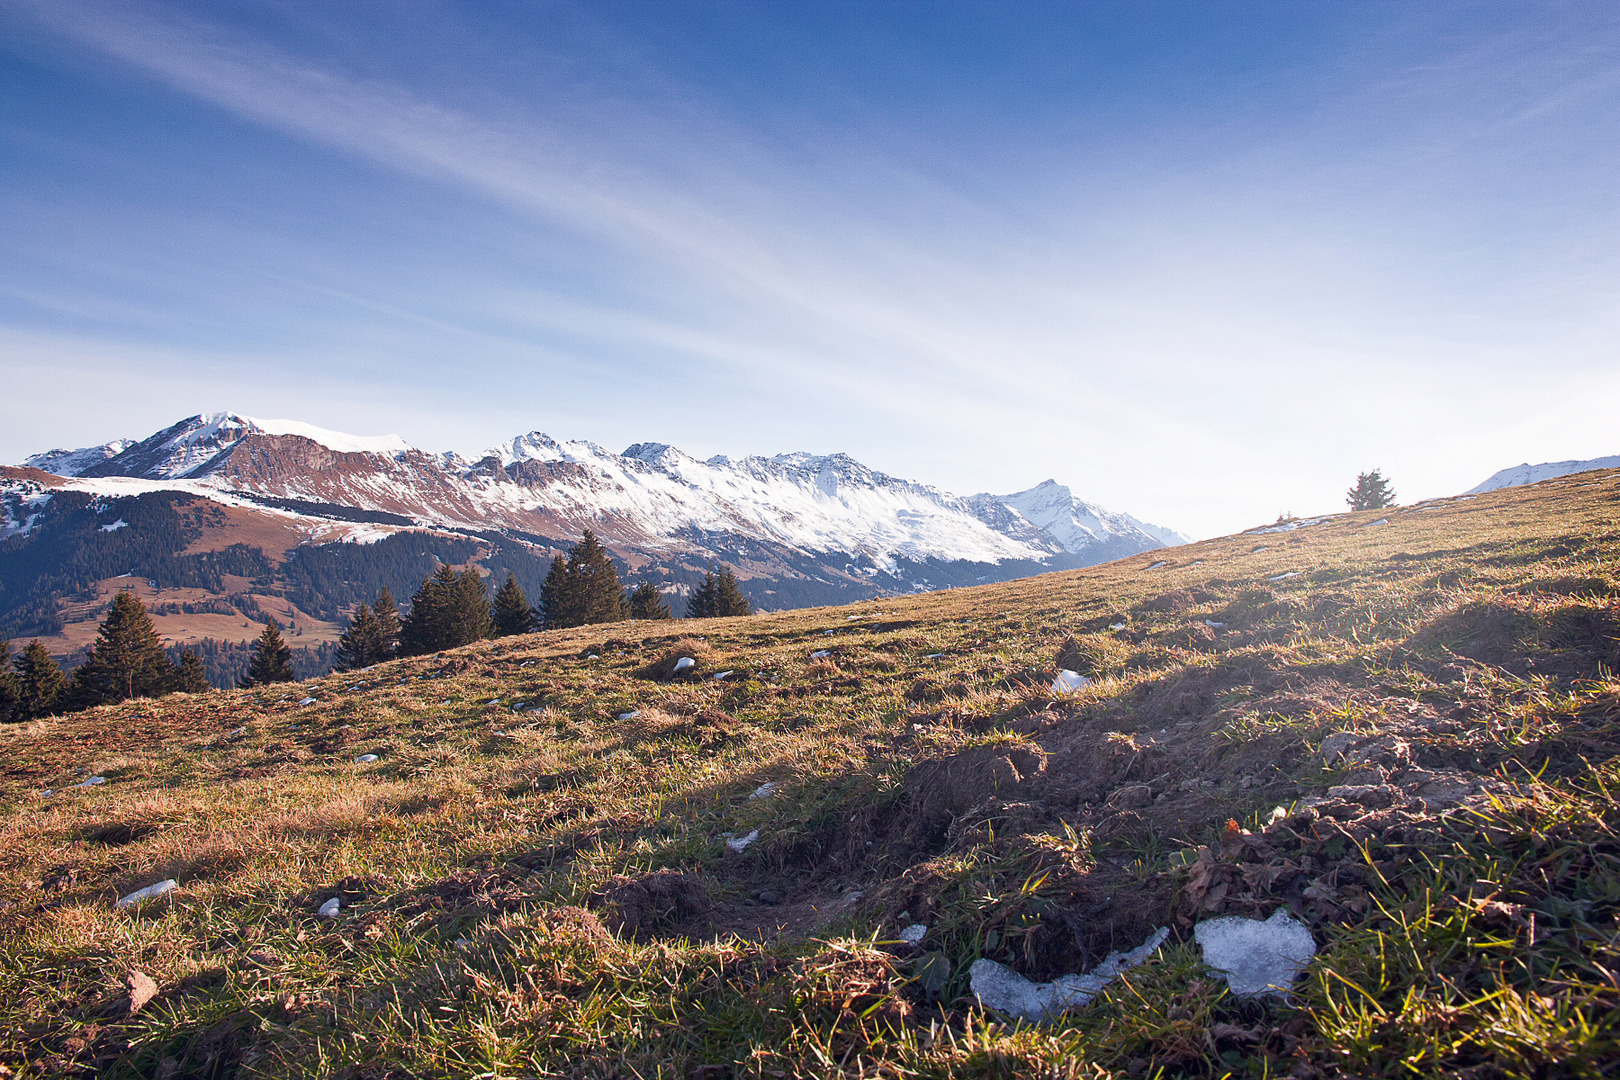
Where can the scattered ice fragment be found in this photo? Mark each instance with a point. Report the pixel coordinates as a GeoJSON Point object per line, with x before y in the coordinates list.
{"type": "Point", "coordinates": [1008, 992]}
{"type": "Point", "coordinates": [234, 732]}
{"type": "Point", "coordinates": [1213, 625]}
{"type": "Point", "coordinates": [365, 759]}
{"type": "Point", "coordinates": [1259, 549]}
{"type": "Point", "coordinates": [1158, 564]}
{"type": "Point", "coordinates": [592, 656]}
{"type": "Point", "coordinates": [166, 885]}
{"type": "Point", "coordinates": [1285, 575]}
{"type": "Point", "coordinates": [307, 701]}
{"type": "Point", "coordinates": [329, 910]}
{"type": "Point", "coordinates": [526, 663]}
{"type": "Point", "coordinates": [765, 790]}
{"type": "Point", "coordinates": [1116, 626]}
{"type": "Point", "coordinates": [827, 633]}
{"type": "Point", "coordinates": [493, 701]}
{"type": "Point", "coordinates": [1067, 682]}
{"type": "Point", "coordinates": [721, 674]}
{"type": "Point", "coordinates": [631, 715]}
{"type": "Point", "coordinates": [683, 663]}
{"type": "Point", "coordinates": [913, 934]}
{"type": "Point", "coordinates": [820, 654]}
{"type": "Point", "coordinates": [92, 782]}
{"type": "Point", "coordinates": [1257, 958]}
{"type": "Point", "coordinates": [47, 792]}
{"type": "Point", "coordinates": [1380, 521]}
{"type": "Point", "coordinates": [1277, 814]}
{"type": "Point", "coordinates": [935, 656]}
{"type": "Point", "coordinates": [741, 842]}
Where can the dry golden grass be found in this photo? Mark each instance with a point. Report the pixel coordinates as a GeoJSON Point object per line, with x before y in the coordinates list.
{"type": "Point", "coordinates": [922, 763]}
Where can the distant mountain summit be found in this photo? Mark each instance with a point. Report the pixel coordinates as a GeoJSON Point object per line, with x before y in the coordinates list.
{"type": "Point", "coordinates": [1526, 473]}
{"type": "Point", "coordinates": [799, 528]}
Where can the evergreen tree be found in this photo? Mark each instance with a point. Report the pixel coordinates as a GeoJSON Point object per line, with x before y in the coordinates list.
{"type": "Point", "coordinates": [387, 613]}
{"type": "Point", "coordinates": [8, 683]}
{"type": "Point", "coordinates": [511, 612]}
{"type": "Point", "coordinates": [361, 644]}
{"type": "Point", "coordinates": [593, 583]}
{"type": "Point", "coordinates": [39, 682]}
{"type": "Point", "coordinates": [449, 610]}
{"type": "Point", "coordinates": [271, 656]}
{"type": "Point", "coordinates": [1372, 492]}
{"type": "Point", "coordinates": [126, 661]}
{"type": "Point", "coordinates": [702, 603]}
{"type": "Point", "coordinates": [728, 598]}
{"type": "Point", "coordinates": [552, 610]}
{"type": "Point", "coordinates": [646, 602]}
{"type": "Point", "coordinates": [189, 676]}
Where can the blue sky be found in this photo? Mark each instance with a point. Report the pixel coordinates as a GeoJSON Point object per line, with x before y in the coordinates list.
{"type": "Point", "coordinates": [1201, 262]}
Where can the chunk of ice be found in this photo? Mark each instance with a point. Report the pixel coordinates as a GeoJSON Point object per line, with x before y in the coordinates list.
{"type": "Point", "coordinates": [1008, 992]}
{"type": "Point", "coordinates": [148, 893]}
{"type": "Point", "coordinates": [913, 934]}
{"type": "Point", "coordinates": [683, 663]}
{"type": "Point", "coordinates": [365, 759]}
{"type": "Point", "coordinates": [934, 656]}
{"type": "Point", "coordinates": [92, 782]}
{"type": "Point", "coordinates": [1067, 682]}
{"type": "Point", "coordinates": [765, 790]}
{"type": "Point", "coordinates": [721, 674]}
{"type": "Point", "coordinates": [1257, 958]}
{"type": "Point", "coordinates": [739, 843]}
{"type": "Point", "coordinates": [820, 654]}
{"type": "Point", "coordinates": [1213, 625]}
{"type": "Point", "coordinates": [329, 910]}
{"type": "Point", "coordinates": [631, 715]}
{"type": "Point", "coordinates": [1116, 626]}
{"type": "Point", "coordinates": [1285, 575]}
{"type": "Point", "coordinates": [307, 701]}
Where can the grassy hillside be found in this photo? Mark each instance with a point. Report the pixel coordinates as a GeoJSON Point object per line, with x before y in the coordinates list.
{"type": "Point", "coordinates": [535, 881]}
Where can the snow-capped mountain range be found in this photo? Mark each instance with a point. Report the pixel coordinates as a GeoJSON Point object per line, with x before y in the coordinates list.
{"type": "Point", "coordinates": [1526, 473]}
{"type": "Point", "coordinates": [652, 498]}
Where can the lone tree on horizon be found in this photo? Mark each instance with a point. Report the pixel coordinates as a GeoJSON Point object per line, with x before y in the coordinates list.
{"type": "Point", "coordinates": [1372, 492]}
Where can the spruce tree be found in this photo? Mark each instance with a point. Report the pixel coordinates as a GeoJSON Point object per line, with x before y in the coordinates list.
{"type": "Point", "coordinates": [552, 611]}
{"type": "Point", "coordinates": [449, 610]}
{"type": "Point", "coordinates": [361, 643]}
{"type": "Point", "coordinates": [271, 659]}
{"type": "Point", "coordinates": [646, 602]}
{"type": "Point", "coordinates": [593, 583]}
{"type": "Point", "coordinates": [39, 682]}
{"type": "Point", "coordinates": [702, 603]}
{"type": "Point", "coordinates": [8, 683]}
{"type": "Point", "coordinates": [189, 676]}
{"type": "Point", "coordinates": [728, 598]}
{"type": "Point", "coordinates": [387, 613]}
{"type": "Point", "coordinates": [126, 660]}
{"type": "Point", "coordinates": [511, 612]}
{"type": "Point", "coordinates": [1372, 492]}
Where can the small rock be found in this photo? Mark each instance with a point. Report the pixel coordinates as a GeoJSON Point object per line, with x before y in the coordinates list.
{"type": "Point", "coordinates": [1257, 958]}
{"type": "Point", "coordinates": [1335, 746]}
{"type": "Point", "coordinates": [1132, 797]}
{"type": "Point", "coordinates": [329, 910]}
{"type": "Point", "coordinates": [913, 934]}
{"type": "Point", "coordinates": [767, 896]}
{"type": "Point", "coordinates": [148, 893]}
{"type": "Point", "coordinates": [142, 988]}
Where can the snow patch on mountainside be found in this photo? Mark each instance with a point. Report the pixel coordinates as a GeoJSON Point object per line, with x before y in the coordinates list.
{"type": "Point", "coordinates": [1531, 474]}
{"type": "Point", "coordinates": [332, 440]}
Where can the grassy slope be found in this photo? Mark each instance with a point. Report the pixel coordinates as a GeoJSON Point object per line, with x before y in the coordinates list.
{"type": "Point", "coordinates": [1452, 849]}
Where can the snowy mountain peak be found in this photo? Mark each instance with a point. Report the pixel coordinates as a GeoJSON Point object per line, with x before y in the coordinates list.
{"type": "Point", "coordinates": [75, 462]}
{"type": "Point", "coordinates": [1079, 525]}
{"type": "Point", "coordinates": [189, 447]}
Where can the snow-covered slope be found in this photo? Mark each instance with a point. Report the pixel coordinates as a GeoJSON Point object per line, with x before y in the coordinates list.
{"type": "Point", "coordinates": [1530, 474]}
{"type": "Point", "coordinates": [187, 448]}
{"type": "Point", "coordinates": [74, 462]}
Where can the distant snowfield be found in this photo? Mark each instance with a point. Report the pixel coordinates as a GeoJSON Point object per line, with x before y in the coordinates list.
{"type": "Point", "coordinates": [333, 440]}
{"type": "Point", "coordinates": [1519, 475]}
